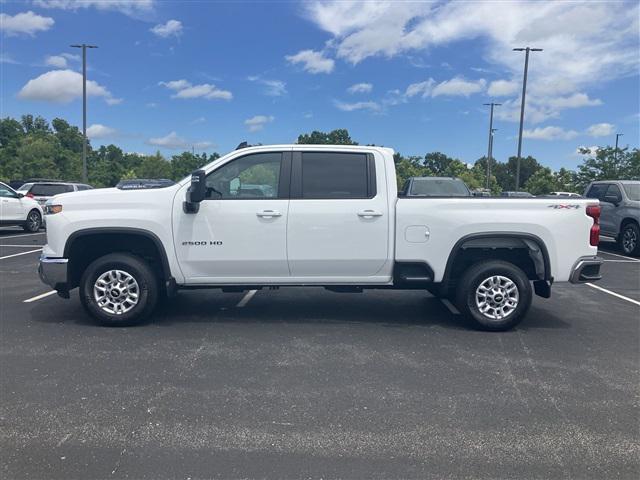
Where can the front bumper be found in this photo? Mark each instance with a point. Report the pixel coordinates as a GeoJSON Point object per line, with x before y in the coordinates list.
{"type": "Point", "coordinates": [586, 269]}
{"type": "Point", "coordinates": [53, 272]}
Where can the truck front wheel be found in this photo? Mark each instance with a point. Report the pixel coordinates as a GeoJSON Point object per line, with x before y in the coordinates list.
{"type": "Point", "coordinates": [119, 290]}
{"type": "Point", "coordinates": [495, 295]}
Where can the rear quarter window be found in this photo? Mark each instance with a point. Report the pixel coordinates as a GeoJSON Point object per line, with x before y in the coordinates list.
{"type": "Point", "coordinates": [597, 191]}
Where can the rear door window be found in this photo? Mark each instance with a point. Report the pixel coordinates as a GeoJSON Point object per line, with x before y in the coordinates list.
{"type": "Point", "coordinates": [330, 175]}
{"type": "Point", "coordinates": [50, 189]}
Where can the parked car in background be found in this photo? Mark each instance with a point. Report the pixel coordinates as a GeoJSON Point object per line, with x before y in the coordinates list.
{"type": "Point", "coordinates": [43, 191]}
{"type": "Point", "coordinates": [565, 194]}
{"type": "Point", "coordinates": [620, 205]}
{"type": "Point", "coordinates": [16, 209]}
{"type": "Point", "coordinates": [435, 187]}
{"type": "Point", "coordinates": [516, 194]}
{"type": "Point", "coordinates": [144, 183]}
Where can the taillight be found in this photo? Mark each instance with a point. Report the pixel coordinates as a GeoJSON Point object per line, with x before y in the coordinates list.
{"type": "Point", "coordinates": [593, 211]}
{"type": "Point", "coordinates": [29, 195]}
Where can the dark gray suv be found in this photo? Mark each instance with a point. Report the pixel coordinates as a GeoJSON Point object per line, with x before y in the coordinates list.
{"type": "Point", "coordinates": [620, 206]}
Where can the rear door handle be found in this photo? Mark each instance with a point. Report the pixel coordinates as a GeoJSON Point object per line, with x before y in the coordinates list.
{"type": "Point", "coordinates": [369, 213]}
{"type": "Point", "coordinates": [269, 214]}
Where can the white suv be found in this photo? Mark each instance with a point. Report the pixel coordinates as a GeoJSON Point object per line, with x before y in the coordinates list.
{"type": "Point", "coordinates": [16, 209]}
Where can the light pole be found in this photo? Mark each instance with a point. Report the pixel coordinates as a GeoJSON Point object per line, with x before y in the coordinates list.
{"type": "Point", "coordinates": [489, 159]}
{"type": "Point", "coordinates": [615, 154]}
{"type": "Point", "coordinates": [490, 148]}
{"type": "Point", "coordinates": [524, 92]}
{"type": "Point", "coordinates": [84, 107]}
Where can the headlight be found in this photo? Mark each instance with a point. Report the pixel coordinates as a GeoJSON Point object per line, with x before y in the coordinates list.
{"type": "Point", "coordinates": [52, 209]}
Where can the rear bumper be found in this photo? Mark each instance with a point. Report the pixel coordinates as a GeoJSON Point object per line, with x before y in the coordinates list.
{"type": "Point", "coordinates": [586, 269]}
{"type": "Point", "coordinates": [53, 272]}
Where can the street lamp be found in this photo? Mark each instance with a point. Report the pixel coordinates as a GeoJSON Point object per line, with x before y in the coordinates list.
{"type": "Point", "coordinates": [489, 159]}
{"type": "Point", "coordinates": [84, 107]}
{"type": "Point", "coordinates": [524, 92]}
{"type": "Point", "coordinates": [615, 154]}
{"type": "Point", "coordinates": [491, 130]}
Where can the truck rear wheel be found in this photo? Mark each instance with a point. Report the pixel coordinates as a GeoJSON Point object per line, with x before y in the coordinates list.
{"type": "Point", "coordinates": [629, 239]}
{"type": "Point", "coordinates": [119, 290]}
{"type": "Point", "coordinates": [495, 295]}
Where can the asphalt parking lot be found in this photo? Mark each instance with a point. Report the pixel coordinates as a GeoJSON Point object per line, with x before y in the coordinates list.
{"type": "Point", "coordinates": [306, 383]}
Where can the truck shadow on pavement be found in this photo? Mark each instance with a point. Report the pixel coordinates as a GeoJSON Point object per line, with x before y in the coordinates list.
{"type": "Point", "coordinates": [387, 309]}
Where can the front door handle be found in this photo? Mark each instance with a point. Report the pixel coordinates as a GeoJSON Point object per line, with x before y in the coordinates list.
{"type": "Point", "coordinates": [269, 214]}
{"type": "Point", "coordinates": [369, 213]}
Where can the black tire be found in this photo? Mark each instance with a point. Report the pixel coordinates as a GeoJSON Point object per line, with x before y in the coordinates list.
{"type": "Point", "coordinates": [497, 301]}
{"type": "Point", "coordinates": [146, 288]}
{"type": "Point", "coordinates": [629, 239]}
{"type": "Point", "coordinates": [33, 223]}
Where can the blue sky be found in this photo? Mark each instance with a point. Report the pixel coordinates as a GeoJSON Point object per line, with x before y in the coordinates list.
{"type": "Point", "coordinates": [412, 76]}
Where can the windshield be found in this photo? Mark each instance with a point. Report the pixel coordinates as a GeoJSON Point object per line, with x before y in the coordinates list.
{"type": "Point", "coordinates": [441, 187]}
{"type": "Point", "coordinates": [632, 190]}
{"type": "Point", "coordinates": [25, 188]}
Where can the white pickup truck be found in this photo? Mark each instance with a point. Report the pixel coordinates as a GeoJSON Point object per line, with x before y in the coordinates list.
{"type": "Point", "coordinates": [311, 215]}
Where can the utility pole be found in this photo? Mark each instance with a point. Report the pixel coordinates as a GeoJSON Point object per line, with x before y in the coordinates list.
{"type": "Point", "coordinates": [524, 93]}
{"type": "Point", "coordinates": [84, 107]}
{"type": "Point", "coordinates": [490, 157]}
{"type": "Point", "coordinates": [615, 154]}
{"type": "Point", "coordinates": [490, 148]}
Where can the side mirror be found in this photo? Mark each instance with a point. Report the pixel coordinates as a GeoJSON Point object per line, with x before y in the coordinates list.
{"type": "Point", "coordinates": [196, 193]}
{"type": "Point", "coordinates": [612, 199]}
{"type": "Point", "coordinates": [20, 195]}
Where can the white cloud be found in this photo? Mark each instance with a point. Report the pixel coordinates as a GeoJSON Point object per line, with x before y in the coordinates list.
{"type": "Point", "coordinates": [56, 61]}
{"type": "Point", "coordinates": [6, 58]}
{"type": "Point", "coordinates": [549, 133]}
{"type": "Point", "coordinates": [98, 130]}
{"type": "Point", "coordinates": [185, 89]}
{"type": "Point", "coordinates": [173, 141]}
{"type": "Point", "coordinates": [573, 101]}
{"type": "Point", "coordinates": [601, 130]}
{"type": "Point", "coordinates": [350, 107]}
{"type": "Point", "coordinates": [173, 28]}
{"type": "Point", "coordinates": [458, 86]}
{"type": "Point", "coordinates": [312, 61]}
{"type": "Point", "coordinates": [585, 44]}
{"type": "Point", "coordinates": [62, 86]}
{"type": "Point", "coordinates": [27, 23]}
{"type": "Point", "coordinates": [420, 88]}
{"type": "Point", "coordinates": [258, 122]}
{"type": "Point", "coordinates": [273, 88]}
{"type": "Point", "coordinates": [198, 120]}
{"type": "Point", "coordinates": [503, 88]}
{"type": "Point", "coordinates": [134, 8]}
{"type": "Point", "coordinates": [360, 88]}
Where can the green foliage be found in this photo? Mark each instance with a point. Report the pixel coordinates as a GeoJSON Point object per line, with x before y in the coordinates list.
{"type": "Point", "coordinates": [335, 137]}
{"type": "Point", "coordinates": [542, 182]}
{"type": "Point", "coordinates": [607, 165]}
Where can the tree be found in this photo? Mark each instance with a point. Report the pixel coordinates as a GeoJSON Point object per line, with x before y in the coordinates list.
{"type": "Point", "coordinates": [186, 162]}
{"type": "Point", "coordinates": [154, 166]}
{"type": "Point", "coordinates": [605, 164]}
{"type": "Point", "coordinates": [541, 182]}
{"type": "Point", "coordinates": [565, 180]}
{"type": "Point", "coordinates": [335, 137]}
{"type": "Point", "coordinates": [409, 167]}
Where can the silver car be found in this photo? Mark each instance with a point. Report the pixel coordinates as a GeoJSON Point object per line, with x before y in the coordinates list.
{"type": "Point", "coordinates": [620, 211]}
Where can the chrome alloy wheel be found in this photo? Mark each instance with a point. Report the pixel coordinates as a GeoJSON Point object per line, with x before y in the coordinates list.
{"type": "Point", "coordinates": [497, 297]}
{"type": "Point", "coordinates": [116, 292]}
{"type": "Point", "coordinates": [33, 221]}
{"type": "Point", "coordinates": [629, 240]}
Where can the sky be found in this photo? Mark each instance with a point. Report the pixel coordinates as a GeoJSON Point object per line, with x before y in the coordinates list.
{"type": "Point", "coordinates": [174, 76]}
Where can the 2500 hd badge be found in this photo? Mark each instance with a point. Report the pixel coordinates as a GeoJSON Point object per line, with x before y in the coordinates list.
{"type": "Point", "coordinates": [202, 243]}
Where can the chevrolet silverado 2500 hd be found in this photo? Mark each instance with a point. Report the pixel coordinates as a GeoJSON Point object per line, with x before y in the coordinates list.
{"type": "Point", "coordinates": [312, 215]}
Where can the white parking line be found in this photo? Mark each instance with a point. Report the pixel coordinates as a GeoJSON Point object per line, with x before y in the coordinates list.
{"type": "Point", "coordinates": [21, 253]}
{"type": "Point", "coordinates": [621, 256]}
{"type": "Point", "coordinates": [614, 294]}
{"type": "Point", "coordinates": [450, 306]}
{"type": "Point", "coordinates": [24, 235]}
{"type": "Point", "coordinates": [247, 296]}
{"type": "Point", "coordinates": [38, 297]}
{"type": "Point", "coordinates": [22, 246]}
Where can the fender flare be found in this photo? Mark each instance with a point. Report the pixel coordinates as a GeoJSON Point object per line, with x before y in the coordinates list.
{"type": "Point", "coordinates": [166, 269]}
{"type": "Point", "coordinates": [537, 250]}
